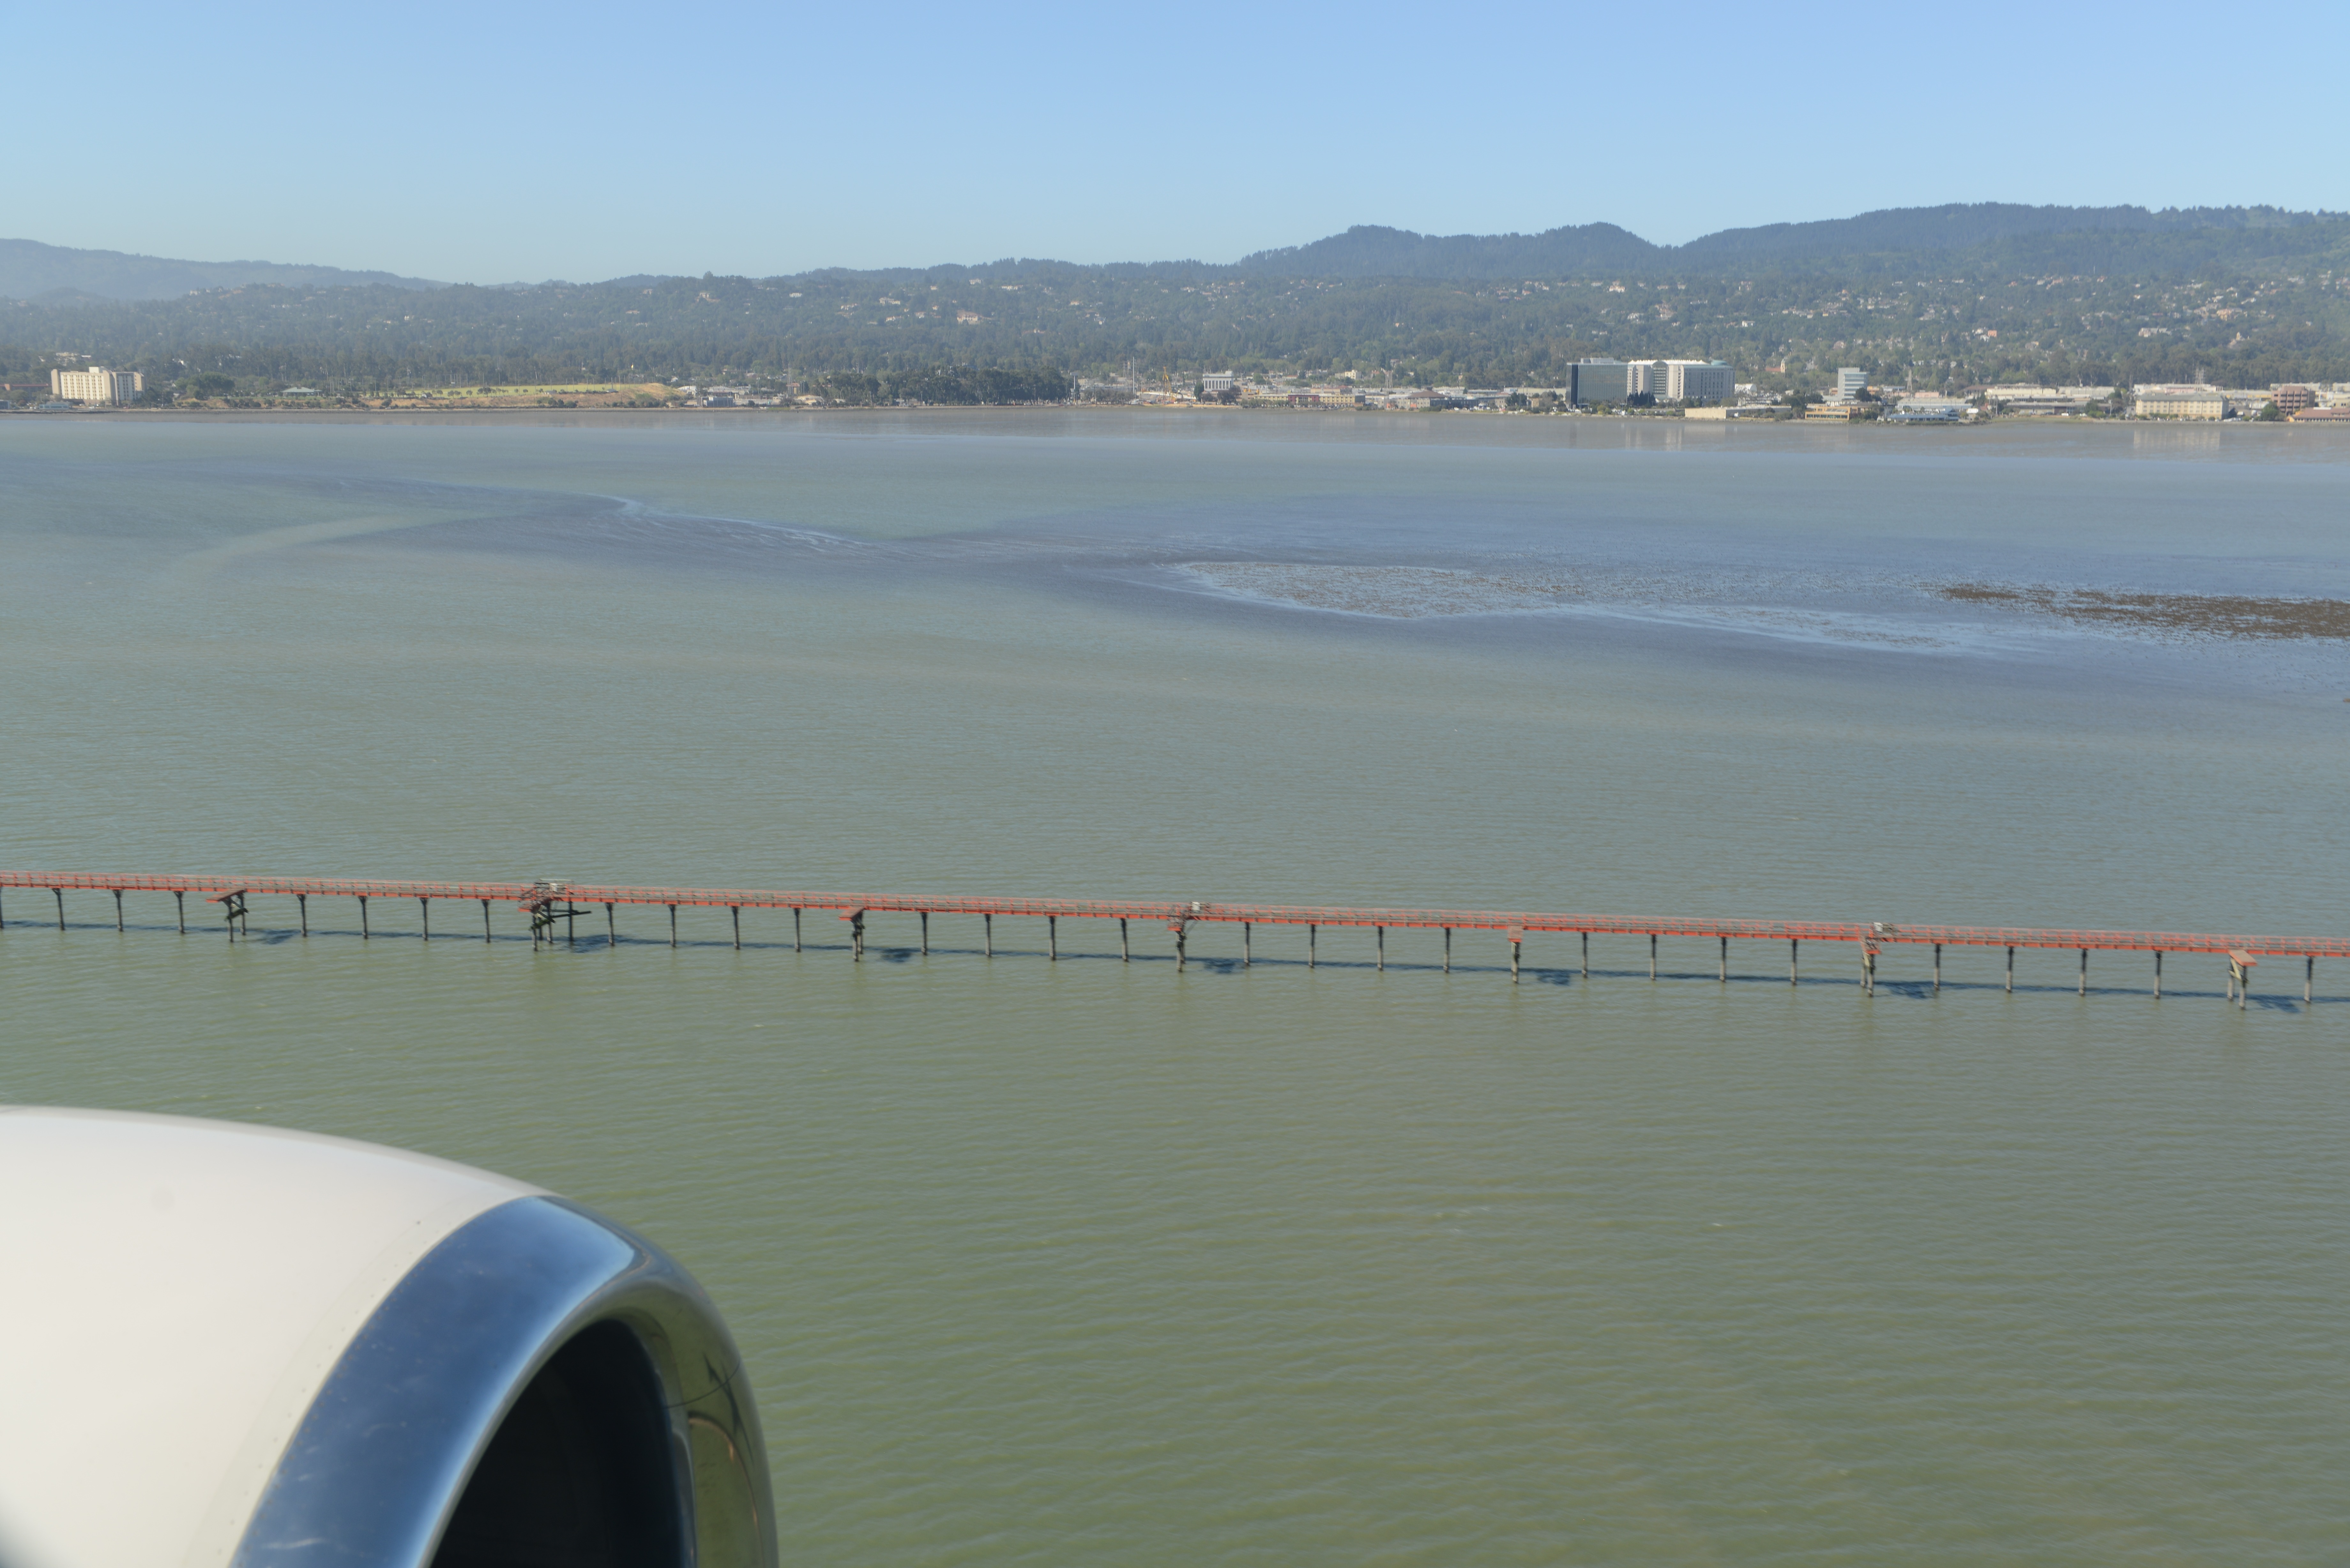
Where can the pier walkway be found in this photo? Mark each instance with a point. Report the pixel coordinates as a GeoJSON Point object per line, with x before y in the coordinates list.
{"type": "Point", "coordinates": [549, 904]}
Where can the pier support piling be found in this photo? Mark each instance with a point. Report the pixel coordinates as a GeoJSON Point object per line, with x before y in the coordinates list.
{"type": "Point", "coordinates": [1052, 939]}
{"type": "Point", "coordinates": [1248, 955]}
{"type": "Point", "coordinates": [1381, 963]}
{"type": "Point", "coordinates": [1652, 955]}
{"type": "Point", "coordinates": [987, 936]}
{"type": "Point", "coordinates": [1793, 943]}
{"type": "Point", "coordinates": [2158, 974]}
{"type": "Point", "coordinates": [611, 927]}
{"type": "Point", "coordinates": [486, 919]}
{"type": "Point", "coordinates": [856, 918]}
{"type": "Point", "coordinates": [1724, 976]}
{"type": "Point", "coordinates": [182, 901]}
{"type": "Point", "coordinates": [302, 905]}
{"type": "Point", "coordinates": [796, 930]}
{"type": "Point", "coordinates": [1516, 943]}
{"type": "Point", "coordinates": [2085, 972]}
{"type": "Point", "coordinates": [1937, 968]}
{"type": "Point", "coordinates": [1309, 938]}
{"type": "Point", "coordinates": [1125, 948]}
{"type": "Point", "coordinates": [926, 933]}
{"type": "Point", "coordinates": [2011, 971]}
{"type": "Point", "coordinates": [424, 914]}
{"type": "Point", "coordinates": [364, 932]}
{"type": "Point", "coordinates": [1587, 955]}
{"type": "Point", "coordinates": [736, 910]}
{"type": "Point", "coordinates": [61, 893]}
{"type": "Point", "coordinates": [1183, 935]}
{"type": "Point", "coordinates": [673, 925]}
{"type": "Point", "coordinates": [117, 912]}
{"type": "Point", "coordinates": [1448, 949]}
{"type": "Point", "coordinates": [2308, 979]}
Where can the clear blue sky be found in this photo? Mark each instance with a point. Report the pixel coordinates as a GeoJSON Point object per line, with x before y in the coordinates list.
{"type": "Point", "coordinates": [490, 142]}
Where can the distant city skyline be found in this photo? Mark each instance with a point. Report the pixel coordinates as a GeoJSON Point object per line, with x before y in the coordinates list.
{"type": "Point", "coordinates": [589, 141]}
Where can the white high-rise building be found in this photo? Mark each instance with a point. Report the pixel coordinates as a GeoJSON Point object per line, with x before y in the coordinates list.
{"type": "Point", "coordinates": [1698, 382]}
{"type": "Point", "coordinates": [97, 385]}
{"type": "Point", "coordinates": [1851, 382]}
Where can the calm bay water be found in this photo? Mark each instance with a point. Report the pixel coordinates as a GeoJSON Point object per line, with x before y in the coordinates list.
{"type": "Point", "coordinates": [1086, 1261]}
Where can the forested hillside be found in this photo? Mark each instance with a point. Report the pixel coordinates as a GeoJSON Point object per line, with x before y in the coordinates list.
{"type": "Point", "coordinates": [2242, 297]}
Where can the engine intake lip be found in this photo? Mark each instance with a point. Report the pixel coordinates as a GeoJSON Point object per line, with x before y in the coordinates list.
{"type": "Point", "coordinates": [380, 1460]}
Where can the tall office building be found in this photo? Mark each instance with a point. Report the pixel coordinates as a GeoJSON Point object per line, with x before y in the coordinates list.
{"type": "Point", "coordinates": [1851, 382]}
{"type": "Point", "coordinates": [97, 385]}
{"type": "Point", "coordinates": [1600, 381]}
{"type": "Point", "coordinates": [1698, 382]}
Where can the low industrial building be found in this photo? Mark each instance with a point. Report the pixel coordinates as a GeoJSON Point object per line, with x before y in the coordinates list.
{"type": "Point", "coordinates": [2037, 400]}
{"type": "Point", "coordinates": [1929, 411]}
{"type": "Point", "coordinates": [2180, 403]}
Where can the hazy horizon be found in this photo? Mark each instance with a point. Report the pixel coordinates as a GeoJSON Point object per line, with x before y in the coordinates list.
{"type": "Point", "coordinates": [1084, 138]}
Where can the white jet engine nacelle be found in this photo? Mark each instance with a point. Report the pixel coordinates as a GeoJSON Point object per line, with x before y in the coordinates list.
{"type": "Point", "coordinates": [229, 1347]}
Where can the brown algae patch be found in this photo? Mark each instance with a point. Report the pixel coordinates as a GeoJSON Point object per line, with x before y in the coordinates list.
{"type": "Point", "coordinates": [2172, 615]}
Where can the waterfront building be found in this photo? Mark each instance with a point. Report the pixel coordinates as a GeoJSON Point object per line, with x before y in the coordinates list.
{"type": "Point", "coordinates": [2036, 400]}
{"type": "Point", "coordinates": [1216, 381]}
{"type": "Point", "coordinates": [2181, 403]}
{"type": "Point", "coordinates": [97, 385]}
{"type": "Point", "coordinates": [1698, 381]}
{"type": "Point", "coordinates": [1679, 380]}
{"type": "Point", "coordinates": [1850, 383]}
{"type": "Point", "coordinates": [1599, 381]}
{"type": "Point", "coordinates": [2292, 400]}
{"type": "Point", "coordinates": [1928, 409]}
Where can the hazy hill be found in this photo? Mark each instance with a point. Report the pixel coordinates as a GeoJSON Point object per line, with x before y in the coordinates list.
{"type": "Point", "coordinates": [1995, 234]}
{"type": "Point", "coordinates": [1369, 251]}
{"type": "Point", "coordinates": [1929, 296]}
{"type": "Point", "coordinates": [29, 269]}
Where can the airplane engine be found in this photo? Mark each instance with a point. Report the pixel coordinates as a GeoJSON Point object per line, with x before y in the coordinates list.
{"type": "Point", "coordinates": [235, 1346]}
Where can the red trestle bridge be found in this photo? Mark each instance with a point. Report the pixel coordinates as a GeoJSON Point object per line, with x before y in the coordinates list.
{"type": "Point", "coordinates": [547, 904]}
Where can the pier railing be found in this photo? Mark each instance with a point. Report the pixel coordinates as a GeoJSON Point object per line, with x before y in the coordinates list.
{"type": "Point", "coordinates": [548, 902]}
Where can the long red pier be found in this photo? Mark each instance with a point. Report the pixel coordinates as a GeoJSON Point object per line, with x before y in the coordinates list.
{"type": "Point", "coordinates": [547, 903]}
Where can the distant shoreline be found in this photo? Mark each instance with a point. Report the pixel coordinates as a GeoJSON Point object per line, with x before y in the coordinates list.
{"type": "Point", "coordinates": [426, 412]}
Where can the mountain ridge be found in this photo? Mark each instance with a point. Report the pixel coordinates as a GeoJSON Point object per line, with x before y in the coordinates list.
{"type": "Point", "coordinates": [30, 269]}
{"type": "Point", "coordinates": [1369, 250]}
{"type": "Point", "coordinates": [1993, 234]}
